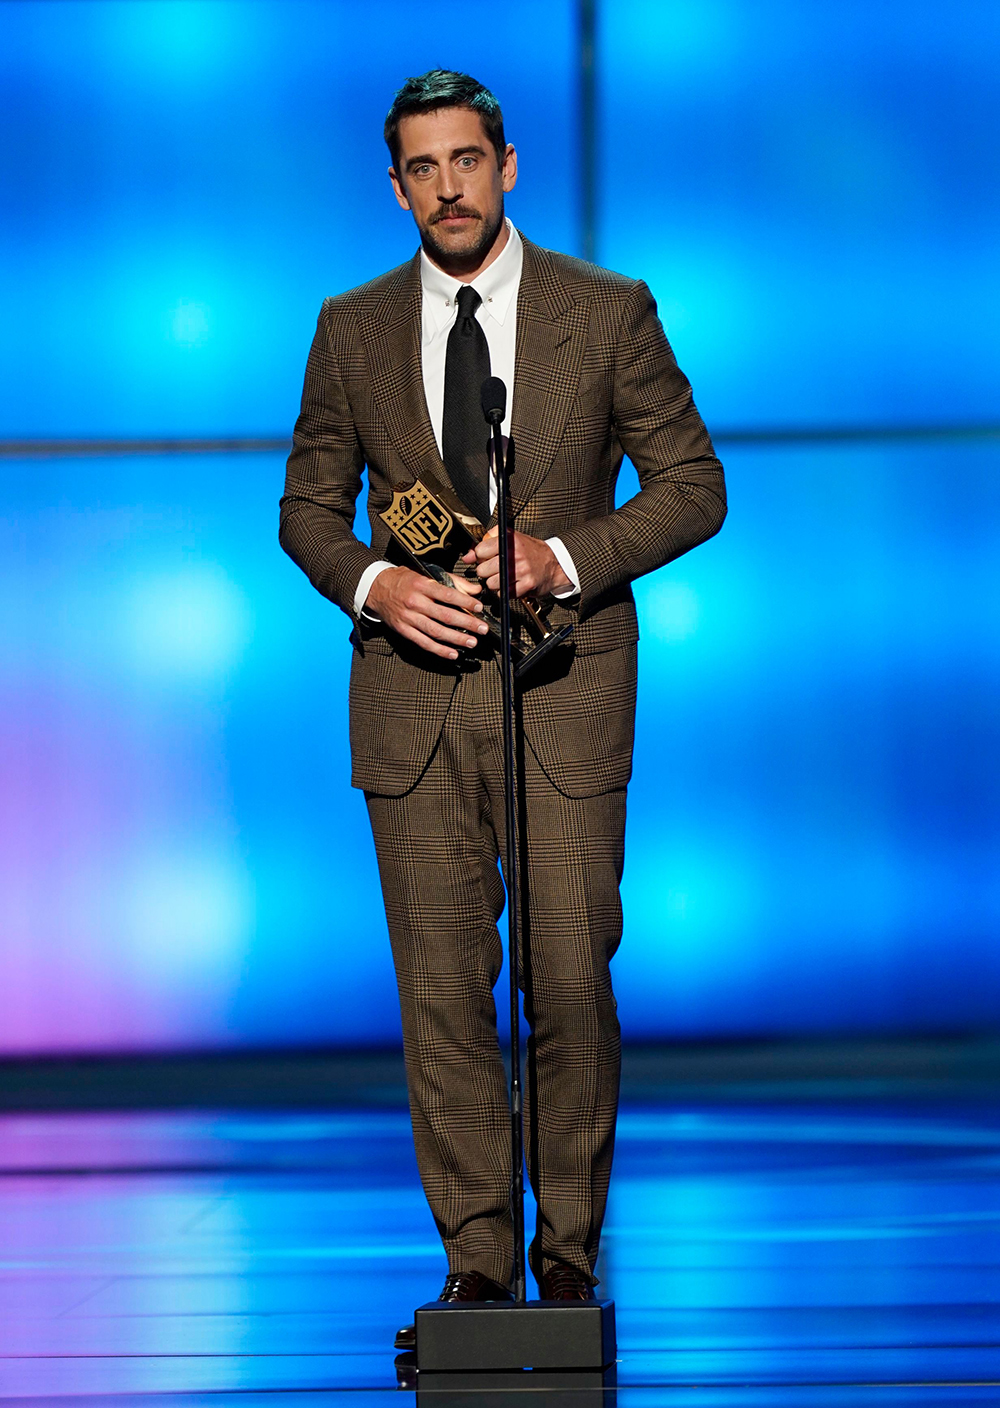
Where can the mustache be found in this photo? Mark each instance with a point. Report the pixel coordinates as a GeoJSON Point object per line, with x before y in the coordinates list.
{"type": "Point", "coordinates": [466, 212]}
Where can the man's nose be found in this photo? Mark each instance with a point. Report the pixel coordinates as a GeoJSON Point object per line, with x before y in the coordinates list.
{"type": "Point", "coordinates": [449, 190]}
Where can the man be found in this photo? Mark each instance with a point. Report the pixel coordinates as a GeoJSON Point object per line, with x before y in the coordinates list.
{"type": "Point", "coordinates": [392, 384]}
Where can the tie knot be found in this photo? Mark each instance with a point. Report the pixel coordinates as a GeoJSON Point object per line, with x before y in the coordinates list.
{"type": "Point", "coordinates": [468, 301]}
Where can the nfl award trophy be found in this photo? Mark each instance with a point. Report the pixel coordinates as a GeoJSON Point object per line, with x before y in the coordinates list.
{"type": "Point", "coordinates": [434, 529]}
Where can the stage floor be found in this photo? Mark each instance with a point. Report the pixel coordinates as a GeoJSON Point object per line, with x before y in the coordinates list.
{"type": "Point", "coordinates": [759, 1253]}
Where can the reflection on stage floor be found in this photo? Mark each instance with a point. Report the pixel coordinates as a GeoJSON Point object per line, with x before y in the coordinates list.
{"type": "Point", "coordinates": [784, 1253]}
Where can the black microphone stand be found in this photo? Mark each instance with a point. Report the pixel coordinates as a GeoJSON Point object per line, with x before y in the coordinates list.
{"type": "Point", "coordinates": [494, 415]}
{"type": "Point", "coordinates": [456, 1339]}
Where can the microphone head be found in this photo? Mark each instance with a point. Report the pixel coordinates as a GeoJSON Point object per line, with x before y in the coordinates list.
{"type": "Point", "coordinates": [493, 397]}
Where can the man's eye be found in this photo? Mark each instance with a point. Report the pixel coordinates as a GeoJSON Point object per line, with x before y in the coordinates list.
{"type": "Point", "coordinates": [467, 161]}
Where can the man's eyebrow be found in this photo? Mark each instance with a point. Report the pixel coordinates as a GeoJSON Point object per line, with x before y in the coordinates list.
{"type": "Point", "coordinates": [430, 161]}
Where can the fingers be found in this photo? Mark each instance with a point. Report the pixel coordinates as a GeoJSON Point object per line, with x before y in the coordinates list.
{"type": "Point", "coordinates": [486, 548]}
{"type": "Point", "coordinates": [438, 638]}
{"type": "Point", "coordinates": [486, 556]}
{"type": "Point", "coordinates": [434, 637]}
{"type": "Point", "coordinates": [425, 642]}
{"type": "Point", "coordinates": [456, 596]}
{"type": "Point", "coordinates": [460, 621]}
{"type": "Point", "coordinates": [523, 586]}
{"type": "Point", "coordinates": [439, 626]}
{"type": "Point", "coordinates": [521, 569]}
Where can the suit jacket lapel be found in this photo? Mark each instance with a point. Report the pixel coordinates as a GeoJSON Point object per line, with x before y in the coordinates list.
{"type": "Point", "coordinates": [391, 333]}
{"type": "Point", "coordinates": [551, 339]}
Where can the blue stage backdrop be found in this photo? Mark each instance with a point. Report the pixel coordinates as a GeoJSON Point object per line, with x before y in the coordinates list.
{"type": "Point", "coordinates": [814, 821]}
{"type": "Point", "coordinates": [807, 188]}
{"type": "Point", "coordinates": [185, 180]}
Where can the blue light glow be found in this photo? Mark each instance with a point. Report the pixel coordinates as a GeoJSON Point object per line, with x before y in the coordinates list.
{"type": "Point", "coordinates": [813, 822]}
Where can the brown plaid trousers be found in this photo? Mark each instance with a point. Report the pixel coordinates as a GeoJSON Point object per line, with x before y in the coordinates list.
{"type": "Point", "coordinates": [595, 379]}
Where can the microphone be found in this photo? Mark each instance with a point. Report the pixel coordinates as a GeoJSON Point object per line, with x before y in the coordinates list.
{"type": "Point", "coordinates": [493, 398]}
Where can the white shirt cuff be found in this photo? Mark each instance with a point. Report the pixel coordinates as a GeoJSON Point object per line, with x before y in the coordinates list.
{"type": "Point", "coordinates": [568, 566]}
{"type": "Point", "coordinates": [365, 585]}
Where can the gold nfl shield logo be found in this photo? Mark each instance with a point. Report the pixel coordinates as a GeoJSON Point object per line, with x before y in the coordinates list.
{"type": "Point", "coordinates": [418, 519]}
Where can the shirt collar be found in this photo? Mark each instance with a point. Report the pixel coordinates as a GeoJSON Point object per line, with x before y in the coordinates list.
{"type": "Point", "coordinates": [496, 285]}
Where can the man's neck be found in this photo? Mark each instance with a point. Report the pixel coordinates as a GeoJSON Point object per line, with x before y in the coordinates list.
{"type": "Point", "coordinates": [465, 275]}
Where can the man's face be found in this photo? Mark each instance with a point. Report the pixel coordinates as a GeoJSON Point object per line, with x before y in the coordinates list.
{"type": "Point", "coordinates": [448, 178]}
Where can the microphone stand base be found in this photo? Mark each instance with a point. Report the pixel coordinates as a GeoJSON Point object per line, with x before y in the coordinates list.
{"type": "Point", "coordinates": [561, 1388]}
{"type": "Point", "coordinates": [473, 1337]}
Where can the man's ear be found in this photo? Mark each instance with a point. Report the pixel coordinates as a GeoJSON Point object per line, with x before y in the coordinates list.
{"type": "Point", "coordinates": [508, 169]}
{"type": "Point", "coordinates": [397, 187]}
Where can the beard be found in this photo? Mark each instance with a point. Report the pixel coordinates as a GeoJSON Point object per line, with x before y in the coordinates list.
{"type": "Point", "coordinates": [462, 258]}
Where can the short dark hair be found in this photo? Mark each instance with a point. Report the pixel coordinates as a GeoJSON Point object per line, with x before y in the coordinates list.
{"type": "Point", "coordinates": [444, 88]}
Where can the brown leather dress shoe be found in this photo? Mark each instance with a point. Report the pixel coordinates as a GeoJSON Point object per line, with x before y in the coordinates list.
{"type": "Point", "coordinates": [565, 1283]}
{"type": "Point", "coordinates": [458, 1285]}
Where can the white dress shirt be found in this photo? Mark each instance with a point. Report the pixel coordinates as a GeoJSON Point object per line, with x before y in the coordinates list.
{"type": "Point", "coordinates": [497, 286]}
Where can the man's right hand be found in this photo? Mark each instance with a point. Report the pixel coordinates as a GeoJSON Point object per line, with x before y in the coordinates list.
{"type": "Point", "coordinates": [435, 617]}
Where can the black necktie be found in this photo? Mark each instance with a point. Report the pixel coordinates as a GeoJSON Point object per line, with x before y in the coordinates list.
{"type": "Point", "coordinates": [464, 434]}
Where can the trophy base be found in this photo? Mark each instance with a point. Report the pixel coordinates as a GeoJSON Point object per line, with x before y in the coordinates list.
{"type": "Point", "coordinates": [538, 652]}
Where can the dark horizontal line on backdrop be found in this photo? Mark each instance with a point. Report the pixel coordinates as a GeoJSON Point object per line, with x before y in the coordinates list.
{"type": "Point", "coordinates": [27, 449]}
{"type": "Point", "coordinates": [773, 435]}
{"type": "Point", "coordinates": [815, 435]}
{"type": "Point", "coordinates": [374, 1078]}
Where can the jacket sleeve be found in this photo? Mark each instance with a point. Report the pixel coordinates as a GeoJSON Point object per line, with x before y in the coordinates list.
{"type": "Point", "coordinates": [682, 496]}
{"type": "Point", "coordinates": [323, 479]}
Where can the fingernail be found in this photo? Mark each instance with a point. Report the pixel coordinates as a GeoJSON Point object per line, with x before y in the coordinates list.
{"type": "Point", "coordinates": [482, 629]}
{"type": "Point", "coordinates": [452, 654]}
{"type": "Point", "coordinates": [470, 641]}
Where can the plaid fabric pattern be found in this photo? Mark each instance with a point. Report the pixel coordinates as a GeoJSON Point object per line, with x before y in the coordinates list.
{"type": "Point", "coordinates": [595, 379]}
{"type": "Point", "coordinates": [438, 848]}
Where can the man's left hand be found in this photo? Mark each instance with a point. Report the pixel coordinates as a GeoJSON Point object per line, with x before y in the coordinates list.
{"type": "Point", "coordinates": [534, 567]}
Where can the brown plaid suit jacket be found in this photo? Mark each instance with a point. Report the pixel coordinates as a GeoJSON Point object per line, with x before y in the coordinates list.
{"type": "Point", "coordinates": [595, 379]}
